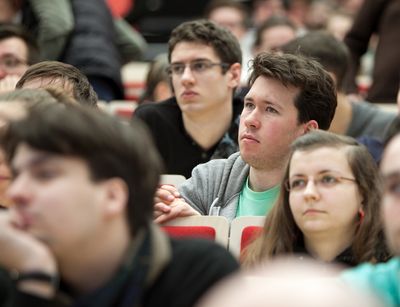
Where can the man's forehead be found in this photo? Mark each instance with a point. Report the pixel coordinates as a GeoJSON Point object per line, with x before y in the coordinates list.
{"type": "Point", "coordinates": [26, 156]}
{"type": "Point", "coordinates": [268, 95]}
{"type": "Point", "coordinates": [189, 50]}
{"type": "Point", "coordinates": [14, 46]}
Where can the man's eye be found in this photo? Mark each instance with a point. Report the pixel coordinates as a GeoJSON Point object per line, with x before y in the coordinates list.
{"type": "Point", "coordinates": [249, 105]}
{"type": "Point", "coordinates": [271, 110]}
{"type": "Point", "coordinates": [11, 62]}
{"type": "Point", "coordinates": [328, 179]}
{"type": "Point", "coordinates": [199, 66]}
{"type": "Point", "coordinates": [45, 174]}
{"type": "Point", "coordinates": [178, 69]}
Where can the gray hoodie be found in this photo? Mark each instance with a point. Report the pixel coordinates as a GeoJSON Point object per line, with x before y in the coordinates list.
{"type": "Point", "coordinates": [215, 186]}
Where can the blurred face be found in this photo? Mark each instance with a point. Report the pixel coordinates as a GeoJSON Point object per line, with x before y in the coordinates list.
{"type": "Point", "coordinates": [8, 10]}
{"type": "Point", "coordinates": [8, 111]}
{"type": "Point", "coordinates": [268, 124]}
{"type": "Point", "coordinates": [200, 86]}
{"type": "Point", "coordinates": [230, 18]}
{"type": "Point", "coordinates": [11, 110]}
{"type": "Point", "coordinates": [55, 199]}
{"type": "Point", "coordinates": [390, 168]}
{"type": "Point", "coordinates": [339, 25]}
{"type": "Point", "coordinates": [263, 9]}
{"type": "Point", "coordinates": [5, 177]}
{"type": "Point", "coordinates": [323, 195]}
{"type": "Point", "coordinates": [274, 38]}
{"type": "Point", "coordinates": [13, 57]}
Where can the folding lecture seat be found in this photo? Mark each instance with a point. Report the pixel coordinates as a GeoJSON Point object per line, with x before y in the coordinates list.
{"type": "Point", "coordinates": [134, 79]}
{"type": "Point", "coordinates": [172, 179]}
{"type": "Point", "coordinates": [122, 108]}
{"type": "Point", "coordinates": [215, 228]}
{"type": "Point", "coordinates": [243, 231]}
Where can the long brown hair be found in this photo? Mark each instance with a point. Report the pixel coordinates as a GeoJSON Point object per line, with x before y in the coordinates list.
{"type": "Point", "coordinates": [281, 234]}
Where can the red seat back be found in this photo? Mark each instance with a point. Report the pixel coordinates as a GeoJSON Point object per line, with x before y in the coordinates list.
{"type": "Point", "coordinates": [204, 232]}
{"type": "Point", "coordinates": [249, 233]}
{"type": "Point", "coordinates": [120, 8]}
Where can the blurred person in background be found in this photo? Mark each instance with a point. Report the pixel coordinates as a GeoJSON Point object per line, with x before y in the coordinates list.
{"type": "Point", "coordinates": [18, 50]}
{"type": "Point", "coordinates": [275, 32]}
{"type": "Point", "coordinates": [287, 282]}
{"type": "Point", "coordinates": [353, 119]}
{"type": "Point", "coordinates": [339, 24]}
{"type": "Point", "coordinates": [13, 106]}
{"type": "Point", "coordinates": [235, 16]}
{"type": "Point", "coordinates": [80, 33]}
{"type": "Point", "coordinates": [53, 74]}
{"type": "Point", "coordinates": [381, 18]}
{"type": "Point", "coordinates": [158, 82]}
{"type": "Point", "coordinates": [264, 9]}
{"type": "Point", "coordinates": [88, 170]}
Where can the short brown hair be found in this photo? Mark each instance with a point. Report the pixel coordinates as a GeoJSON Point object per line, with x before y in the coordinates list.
{"type": "Point", "coordinates": [65, 73]}
{"type": "Point", "coordinates": [206, 32]}
{"type": "Point", "coordinates": [317, 97]}
{"type": "Point", "coordinates": [110, 148]}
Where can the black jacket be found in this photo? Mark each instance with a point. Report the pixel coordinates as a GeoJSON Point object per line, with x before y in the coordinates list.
{"type": "Point", "coordinates": [178, 150]}
{"type": "Point", "coordinates": [91, 46]}
{"type": "Point", "coordinates": [160, 272]}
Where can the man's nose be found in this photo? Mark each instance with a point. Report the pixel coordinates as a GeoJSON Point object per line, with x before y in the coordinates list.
{"type": "Point", "coordinates": [18, 191]}
{"type": "Point", "coordinates": [187, 75]}
{"type": "Point", "coordinates": [251, 119]}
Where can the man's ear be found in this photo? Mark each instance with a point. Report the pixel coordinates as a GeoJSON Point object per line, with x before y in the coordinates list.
{"type": "Point", "coordinates": [116, 196]}
{"type": "Point", "coordinates": [235, 71]}
{"type": "Point", "coordinates": [310, 126]}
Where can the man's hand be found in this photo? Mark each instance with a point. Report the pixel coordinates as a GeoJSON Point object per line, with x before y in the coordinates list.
{"type": "Point", "coordinates": [165, 195]}
{"type": "Point", "coordinates": [178, 208]}
{"type": "Point", "coordinates": [25, 254]}
{"type": "Point", "coordinates": [168, 205]}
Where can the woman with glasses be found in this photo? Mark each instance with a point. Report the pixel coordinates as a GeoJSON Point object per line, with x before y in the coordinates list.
{"type": "Point", "coordinates": [328, 207]}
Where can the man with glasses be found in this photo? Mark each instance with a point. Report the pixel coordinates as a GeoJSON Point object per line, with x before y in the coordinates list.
{"type": "Point", "coordinates": [201, 121]}
{"type": "Point", "coordinates": [17, 51]}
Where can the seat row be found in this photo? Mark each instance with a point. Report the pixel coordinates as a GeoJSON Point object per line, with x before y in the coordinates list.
{"type": "Point", "coordinates": [234, 236]}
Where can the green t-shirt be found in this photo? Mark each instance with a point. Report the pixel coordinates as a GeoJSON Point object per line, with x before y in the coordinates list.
{"type": "Point", "coordinates": [256, 203]}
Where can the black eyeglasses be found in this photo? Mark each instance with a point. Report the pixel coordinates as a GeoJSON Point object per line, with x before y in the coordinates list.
{"type": "Point", "coordinates": [196, 67]}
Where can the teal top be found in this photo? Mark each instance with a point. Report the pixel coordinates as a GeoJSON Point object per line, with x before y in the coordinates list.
{"type": "Point", "coordinates": [256, 203]}
{"type": "Point", "coordinates": [383, 279]}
